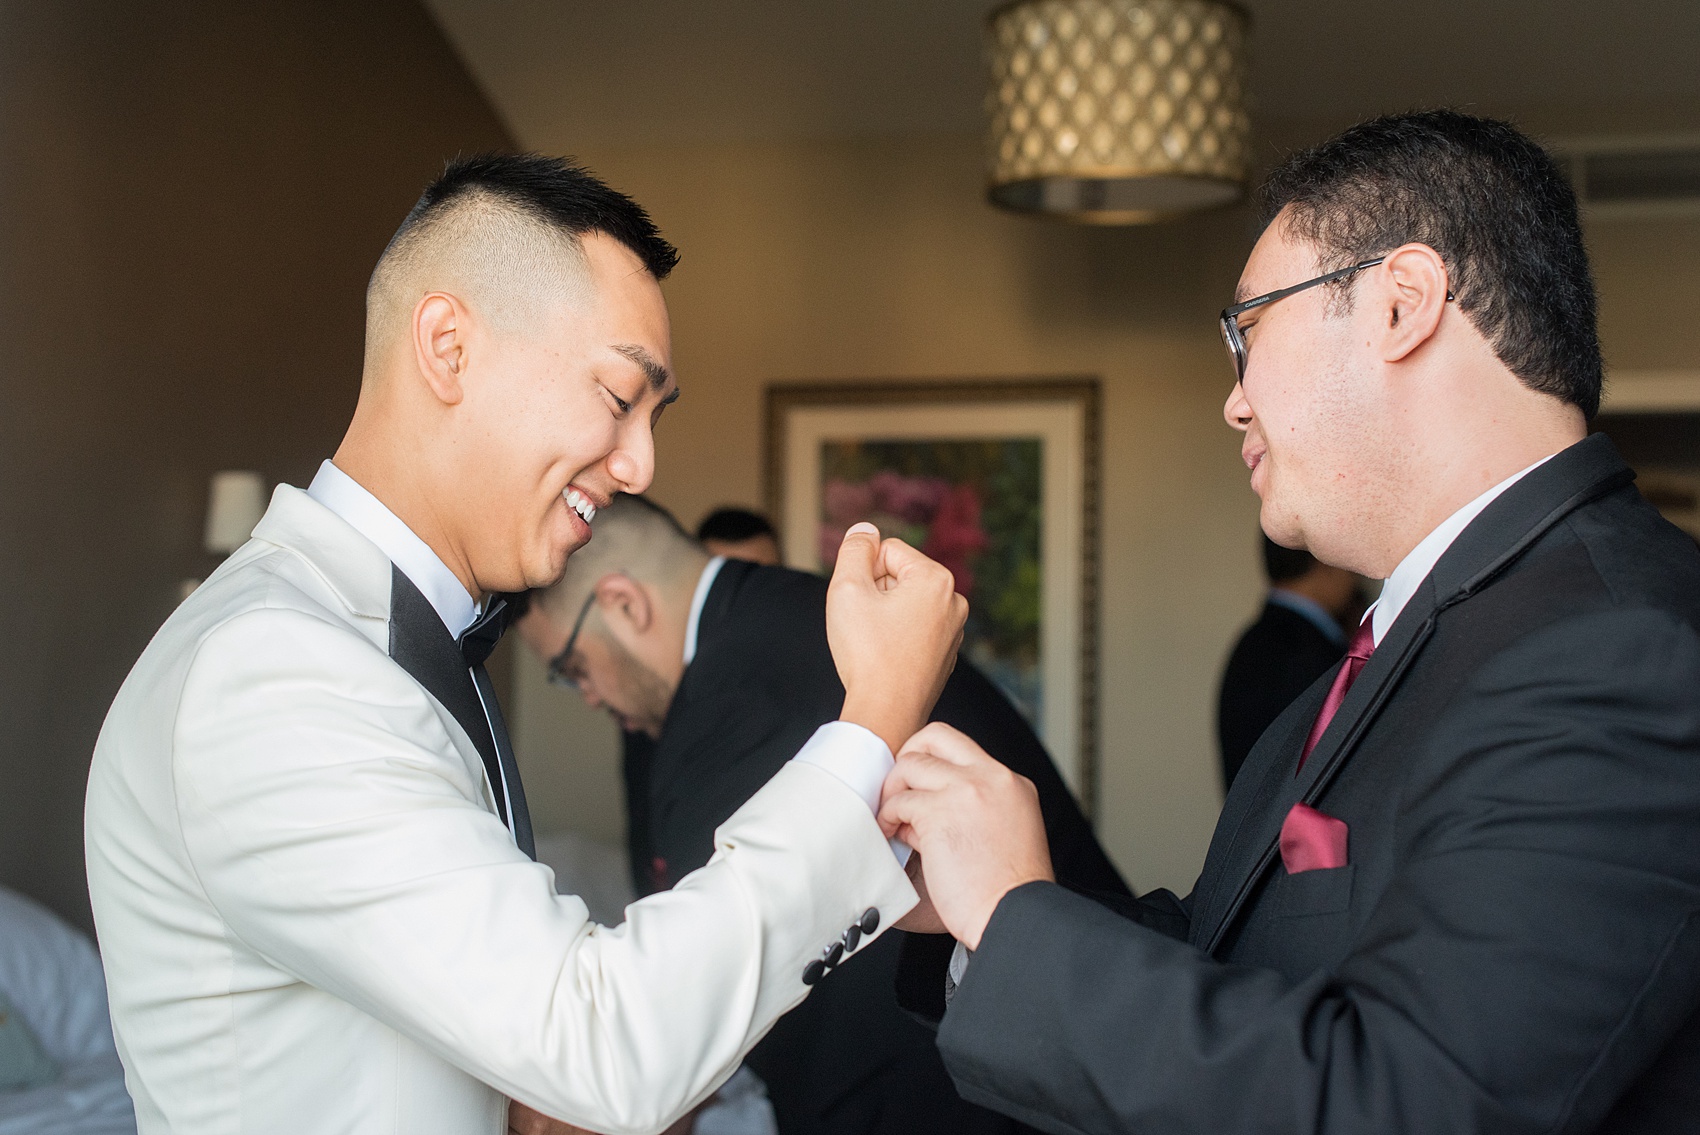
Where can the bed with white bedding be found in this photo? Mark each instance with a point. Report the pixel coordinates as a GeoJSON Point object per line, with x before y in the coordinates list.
{"type": "Point", "coordinates": [50, 974]}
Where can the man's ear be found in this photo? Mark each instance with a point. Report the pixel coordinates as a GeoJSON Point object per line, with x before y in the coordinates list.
{"type": "Point", "coordinates": [440, 328]}
{"type": "Point", "coordinates": [623, 598]}
{"type": "Point", "coordinates": [1412, 298]}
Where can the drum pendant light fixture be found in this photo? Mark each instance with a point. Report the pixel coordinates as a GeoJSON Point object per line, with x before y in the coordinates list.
{"type": "Point", "coordinates": [1117, 111]}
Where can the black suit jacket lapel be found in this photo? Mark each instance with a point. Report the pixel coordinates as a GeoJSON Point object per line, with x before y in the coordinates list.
{"type": "Point", "coordinates": [697, 683]}
{"type": "Point", "coordinates": [1505, 530]}
{"type": "Point", "coordinates": [676, 766]}
{"type": "Point", "coordinates": [1266, 776]}
{"type": "Point", "coordinates": [722, 595]}
{"type": "Point", "coordinates": [422, 645]}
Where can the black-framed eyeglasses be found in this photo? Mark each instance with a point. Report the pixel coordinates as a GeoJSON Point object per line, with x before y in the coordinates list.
{"type": "Point", "coordinates": [558, 673]}
{"type": "Point", "coordinates": [1235, 340]}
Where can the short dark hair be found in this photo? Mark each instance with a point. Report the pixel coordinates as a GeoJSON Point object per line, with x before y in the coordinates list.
{"type": "Point", "coordinates": [733, 525]}
{"type": "Point", "coordinates": [1490, 201]}
{"type": "Point", "coordinates": [562, 195]}
{"type": "Point", "coordinates": [1284, 564]}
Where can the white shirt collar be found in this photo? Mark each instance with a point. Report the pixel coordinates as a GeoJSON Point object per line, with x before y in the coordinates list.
{"type": "Point", "coordinates": [1414, 568]}
{"type": "Point", "coordinates": [368, 515]}
{"type": "Point", "coordinates": [704, 582]}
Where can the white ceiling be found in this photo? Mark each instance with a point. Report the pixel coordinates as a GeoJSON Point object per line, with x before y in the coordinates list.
{"type": "Point", "coordinates": [569, 75]}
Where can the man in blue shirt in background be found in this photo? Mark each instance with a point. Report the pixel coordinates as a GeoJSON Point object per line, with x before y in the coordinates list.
{"type": "Point", "coordinates": [1298, 636]}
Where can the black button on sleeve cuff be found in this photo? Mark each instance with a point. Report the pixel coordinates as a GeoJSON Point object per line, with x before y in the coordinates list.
{"type": "Point", "coordinates": [835, 951]}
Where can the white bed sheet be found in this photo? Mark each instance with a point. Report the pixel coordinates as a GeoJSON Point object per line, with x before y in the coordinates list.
{"type": "Point", "coordinates": [52, 975]}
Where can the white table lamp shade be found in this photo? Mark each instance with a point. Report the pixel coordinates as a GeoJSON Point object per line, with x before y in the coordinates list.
{"type": "Point", "coordinates": [235, 503]}
{"type": "Point", "coordinates": [1118, 111]}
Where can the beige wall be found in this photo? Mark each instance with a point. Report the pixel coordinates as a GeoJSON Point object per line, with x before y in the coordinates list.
{"type": "Point", "coordinates": [191, 197]}
{"type": "Point", "coordinates": [876, 259]}
{"type": "Point", "coordinates": [1649, 278]}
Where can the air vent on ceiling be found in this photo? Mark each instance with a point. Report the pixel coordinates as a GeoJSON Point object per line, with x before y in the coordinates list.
{"type": "Point", "coordinates": [1632, 177]}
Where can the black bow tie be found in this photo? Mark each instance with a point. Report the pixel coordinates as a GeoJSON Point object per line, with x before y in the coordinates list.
{"type": "Point", "coordinates": [480, 639]}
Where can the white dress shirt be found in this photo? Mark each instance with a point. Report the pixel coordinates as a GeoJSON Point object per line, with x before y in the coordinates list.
{"type": "Point", "coordinates": [1414, 568]}
{"type": "Point", "coordinates": [370, 517]}
{"type": "Point", "coordinates": [705, 581]}
{"type": "Point", "coordinates": [442, 588]}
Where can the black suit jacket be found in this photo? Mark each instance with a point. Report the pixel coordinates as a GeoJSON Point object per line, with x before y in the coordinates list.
{"type": "Point", "coordinates": [1275, 660]}
{"type": "Point", "coordinates": [1515, 945]}
{"type": "Point", "coordinates": [636, 752]}
{"type": "Point", "coordinates": [763, 680]}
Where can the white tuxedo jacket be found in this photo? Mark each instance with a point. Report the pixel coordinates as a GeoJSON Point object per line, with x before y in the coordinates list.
{"type": "Point", "coordinates": [312, 920]}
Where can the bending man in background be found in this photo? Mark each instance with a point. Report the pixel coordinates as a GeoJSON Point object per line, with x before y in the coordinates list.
{"type": "Point", "coordinates": [726, 665]}
{"type": "Point", "coordinates": [308, 845]}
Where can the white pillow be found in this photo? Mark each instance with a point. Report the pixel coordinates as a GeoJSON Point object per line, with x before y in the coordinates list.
{"type": "Point", "coordinates": [23, 1062]}
{"type": "Point", "coordinates": [52, 975]}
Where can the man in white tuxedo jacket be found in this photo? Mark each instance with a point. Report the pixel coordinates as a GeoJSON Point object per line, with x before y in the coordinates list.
{"type": "Point", "coordinates": [307, 841]}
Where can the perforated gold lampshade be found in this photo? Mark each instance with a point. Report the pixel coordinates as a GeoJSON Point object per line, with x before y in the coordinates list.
{"type": "Point", "coordinates": [1117, 111]}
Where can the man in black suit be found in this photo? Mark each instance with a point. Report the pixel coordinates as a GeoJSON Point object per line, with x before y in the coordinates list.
{"type": "Point", "coordinates": [1456, 886]}
{"type": "Point", "coordinates": [1298, 636]}
{"type": "Point", "coordinates": [725, 664]}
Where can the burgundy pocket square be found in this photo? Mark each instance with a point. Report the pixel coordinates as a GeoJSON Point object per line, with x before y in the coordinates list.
{"type": "Point", "coordinates": [1311, 841]}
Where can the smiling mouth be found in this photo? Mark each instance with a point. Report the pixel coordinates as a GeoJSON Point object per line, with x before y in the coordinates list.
{"type": "Point", "coordinates": [579, 503]}
{"type": "Point", "coordinates": [1252, 458]}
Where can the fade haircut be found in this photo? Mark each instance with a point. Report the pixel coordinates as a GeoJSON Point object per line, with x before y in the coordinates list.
{"type": "Point", "coordinates": [633, 537]}
{"type": "Point", "coordinates": [1490, 201]}
{"type": "Point", "coordinates": [506, 229]}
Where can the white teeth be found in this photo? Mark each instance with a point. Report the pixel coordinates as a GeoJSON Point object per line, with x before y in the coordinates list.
{"type": "Point", "coordinates": [580, 504]}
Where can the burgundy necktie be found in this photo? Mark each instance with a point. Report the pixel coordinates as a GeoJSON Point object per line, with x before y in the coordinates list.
{"type": "Point", "coordinates": [1357, 653]}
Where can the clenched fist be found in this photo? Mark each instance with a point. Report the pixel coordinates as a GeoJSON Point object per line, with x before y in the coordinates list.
{"type": "Point", "coordinates": [894, 621]}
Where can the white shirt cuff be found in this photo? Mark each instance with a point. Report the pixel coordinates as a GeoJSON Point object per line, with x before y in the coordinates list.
{"type": "Point", "coordinates": [959, 959]}
{"type": "Point", "coordinates": [859, 759]}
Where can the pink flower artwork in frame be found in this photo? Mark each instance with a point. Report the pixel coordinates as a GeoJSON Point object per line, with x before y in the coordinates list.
{"type": "Point", "coordinates": [974, 506]}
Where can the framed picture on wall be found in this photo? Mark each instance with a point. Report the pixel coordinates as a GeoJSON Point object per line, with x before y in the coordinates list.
{"type": "Point", "coordinates": [998, 481]}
